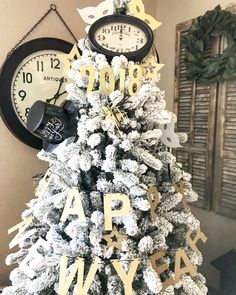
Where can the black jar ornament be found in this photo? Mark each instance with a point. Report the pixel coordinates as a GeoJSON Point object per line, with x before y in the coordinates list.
{"type": "Point", "coordinates": [52, 123]}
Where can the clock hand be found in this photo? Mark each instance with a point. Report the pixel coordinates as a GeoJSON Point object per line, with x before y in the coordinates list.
{"type": "Point", "coordinates": [60, 85]}
{"type": "Point", "coordinates": [121, 33]}
{"type": "Point", "coordinates": [55, 97]}
{"type": "Point", "coordinates": [62, 93]}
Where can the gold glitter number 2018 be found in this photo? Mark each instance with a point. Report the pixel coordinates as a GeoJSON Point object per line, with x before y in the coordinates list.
{"type": "Point", "coordinates": [107, 79]}
{"type": "Point", "coordinates": [135, 74]}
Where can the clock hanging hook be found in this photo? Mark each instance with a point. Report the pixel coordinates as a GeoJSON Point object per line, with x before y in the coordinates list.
{"type": "Point", "coordinates": [155, 52]}
{"type": "Point", "coordinates": [53, 8]}
{"type": "Point", "coordinates": [120, 7]}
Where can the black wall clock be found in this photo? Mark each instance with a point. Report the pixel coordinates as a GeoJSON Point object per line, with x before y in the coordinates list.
{"type": "Point", "coordinates": [32, 72]}
{"type": "Point", "coordinates": [121, 34]}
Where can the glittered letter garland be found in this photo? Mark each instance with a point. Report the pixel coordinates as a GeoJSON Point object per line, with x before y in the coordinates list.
{"type": "Point", "coordinates": [43, 185]}
{"type": "Point", "coordinates": [127, 278]}
{"type": "Point", "coordinates": [22, 226]}
{"type": "Point", "coordinates": [109, 213]}
{"type": "Point", "coordinates": [181, 257]}
{"type": "Point", "coordinates": [34, 258]}
{"type": "Point", "coordinates": [82, 286]}
{"type": "Point", "coordinates": [192, 242]}
{"type": "Point", "coordinates": [154, 200]}
{"type": "Point", "coordinates": [74, 199]}
{"type": "Point", "coordinates": [162, 268]}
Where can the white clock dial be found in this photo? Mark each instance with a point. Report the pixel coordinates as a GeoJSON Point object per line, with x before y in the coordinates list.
{"type": "Point", "coordinates": [38, 77]}
{"type": "Point", "coordinates": [120, 37]}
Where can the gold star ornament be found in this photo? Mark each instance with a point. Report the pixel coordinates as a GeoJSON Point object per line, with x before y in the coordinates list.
{"type": "Point", "coordinates": [151, 68]}
{"type": "Point", "coordinates": [67, 59]}
{"type": "Point", "coordinates": [115, 239]}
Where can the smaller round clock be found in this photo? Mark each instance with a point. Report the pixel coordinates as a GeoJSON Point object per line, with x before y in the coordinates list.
{"type": "Point", "coordinates": [121, 35]}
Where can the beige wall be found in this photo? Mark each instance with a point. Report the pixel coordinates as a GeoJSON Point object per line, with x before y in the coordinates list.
{"type": "Point", "coordinates": [18, 162]}
{"type": "Point", "coordinates": [220, 230]}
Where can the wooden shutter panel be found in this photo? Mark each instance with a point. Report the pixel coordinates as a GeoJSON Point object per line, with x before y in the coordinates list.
{"type": "Point", "coordinates": [225, 148]}
{"type": "Point", "coordinates": [194, 106]}
{"type": "Point", "coordinates": [225, 155]}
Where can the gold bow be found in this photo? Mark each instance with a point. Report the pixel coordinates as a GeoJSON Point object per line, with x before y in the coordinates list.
{"type": "Point", "coordinates": [113, 114]}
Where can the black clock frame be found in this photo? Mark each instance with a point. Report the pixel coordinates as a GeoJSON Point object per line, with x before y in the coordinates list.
{"type": "Point", "coordinates": [7, 72]}
{"type": "Point", "coordinates": [135, 56]}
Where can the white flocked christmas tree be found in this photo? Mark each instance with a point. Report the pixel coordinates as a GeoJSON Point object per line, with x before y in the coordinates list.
{"type": "Point", "coordinates": [111, 214]}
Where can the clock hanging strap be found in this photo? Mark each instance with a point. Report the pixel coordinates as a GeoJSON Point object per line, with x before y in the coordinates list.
{"type": "Point", "coordinates": [155, 52]}
{"type": "Point", "coordinates": [53, 8]}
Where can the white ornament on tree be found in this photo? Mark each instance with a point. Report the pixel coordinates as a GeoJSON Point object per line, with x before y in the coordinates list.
{"type": "Point", "coordinates": [169, 138]}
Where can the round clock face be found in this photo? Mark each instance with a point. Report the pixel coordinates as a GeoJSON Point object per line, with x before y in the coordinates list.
{"type": "Point", "coordinates": [32, 72]}
{"type": "Point", "coordinates": [38, 77]}
{"type": "Point", "coordinates": [121, 37]}
{"type": "Point", "coordinates": [121, 34]}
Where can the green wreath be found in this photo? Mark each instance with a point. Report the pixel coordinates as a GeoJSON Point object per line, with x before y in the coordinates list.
{"type": "Point", "coordinates": [219, 67]}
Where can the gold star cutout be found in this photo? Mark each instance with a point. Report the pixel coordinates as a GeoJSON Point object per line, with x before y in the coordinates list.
{"type": "Point", "coordinates": [151, 68]}
{"type": "Point", "coordinates": [115, 239]}
{"type": "Point", "coordinates": [67, 59]}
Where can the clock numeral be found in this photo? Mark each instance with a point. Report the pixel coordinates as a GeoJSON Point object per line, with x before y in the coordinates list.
{"type": "Point", "coordinates": [27, 110]}
{"type": "Point", "coordinates": [115, 28]}
{"type": "Point", "coordinates": [140, 40]}
{"type": "Point", "coordinates": [22, 94]}
{"type": "Point", "coordinates": [27, 78]}
{"type": "Point", "coordinates": [106, 31]}
{"type": "Point", "coordinates": [55, 63]}
{"type": "Point", "coordinates": [105, 45]}
{"type": "Point", "coordinates": [120, 50]}
{"type": "Point", "coordinates": [40, 66]}
{"type": "Point", "coordinates": [101, 37]}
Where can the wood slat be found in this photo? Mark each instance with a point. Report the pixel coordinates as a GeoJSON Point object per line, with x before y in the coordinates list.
{"type": "Point", "coordinates": [183, 158]}
{"type": "Point", "coordinates": [225, 158]}
{"type": "Point", "coordinates": [192, 104]}
{"type": "Point", "coordinates": [228, 198]}
{"type": "Point", "coordinates": [230, 117]}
